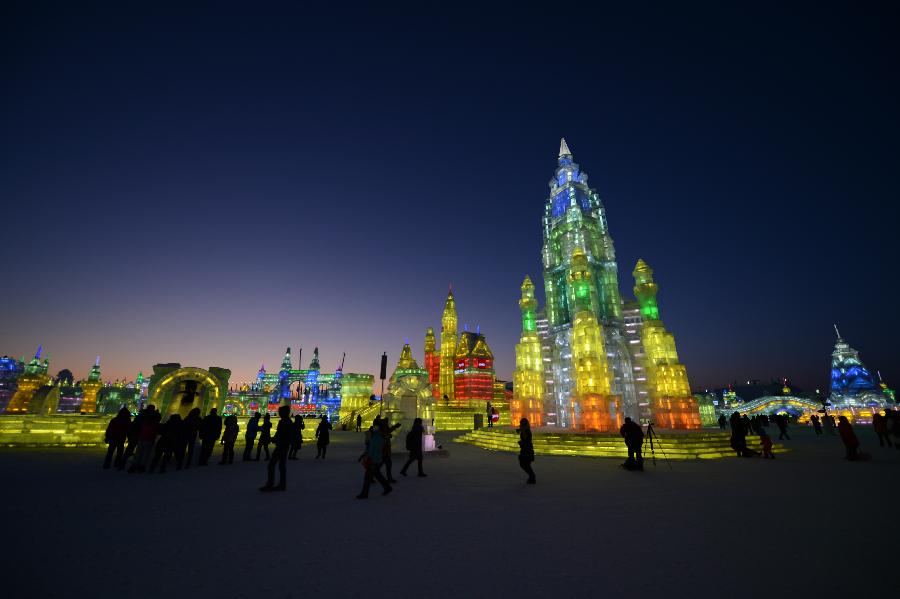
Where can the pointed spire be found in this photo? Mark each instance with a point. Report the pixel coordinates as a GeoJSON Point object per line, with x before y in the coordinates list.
{"type": "Point", "coordinates": [37, 354]}
{"type": "Point", "coordinates": [563, 148]}
{"type": "Point", "coordinates": [837, 331]}
{"type": "Point", "coordinates": [97, 361]}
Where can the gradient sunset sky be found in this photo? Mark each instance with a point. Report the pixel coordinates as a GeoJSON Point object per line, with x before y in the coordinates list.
{"type": "Point", "coordinates": [210, 187]}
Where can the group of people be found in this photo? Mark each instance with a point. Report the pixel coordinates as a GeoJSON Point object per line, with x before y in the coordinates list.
{"type": "Point", "coordinates": [151, 443]}
{"type": "Point", "coordinates": [378, 453]}
{"type": "Point", "coordinates": [884, 426]}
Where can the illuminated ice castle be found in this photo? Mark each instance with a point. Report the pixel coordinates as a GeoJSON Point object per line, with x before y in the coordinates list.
{"type": "Point", "coordinates": [580, 362]}
{"type": "Point", "coordinates": [853, 387]}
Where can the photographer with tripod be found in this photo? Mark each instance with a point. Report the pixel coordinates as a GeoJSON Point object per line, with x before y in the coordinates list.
{"type": "Point", "coordinates": [634, 439]}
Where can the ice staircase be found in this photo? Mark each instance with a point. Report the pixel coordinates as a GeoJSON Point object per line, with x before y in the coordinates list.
{"type": "Point", "coordinates": [676, 446]}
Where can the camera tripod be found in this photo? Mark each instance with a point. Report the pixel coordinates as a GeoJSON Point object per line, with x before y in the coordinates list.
{"type": "Point", "coordinates": [648, 438]}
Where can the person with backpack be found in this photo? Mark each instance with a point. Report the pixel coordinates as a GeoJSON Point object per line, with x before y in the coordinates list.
{"type": "Point", "coordinates": [116, 433]}
{"type": "Point", "coordinates": [414, 446]}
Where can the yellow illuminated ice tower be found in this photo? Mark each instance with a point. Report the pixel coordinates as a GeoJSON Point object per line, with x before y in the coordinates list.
{"type": "Point", "coordinates": [671, 402]}
{"type": "Point", "coordinates": [34, 378]}
{"type": "Point", "coordinates": [528, 377]}
{"type": "Point", "coordinates": [448, 349]}
{"type": "Point", "coordinates": [592, 408]}
{"type": "Point", "coordinates": [90, 388]}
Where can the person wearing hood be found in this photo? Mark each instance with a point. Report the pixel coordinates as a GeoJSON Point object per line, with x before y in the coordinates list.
{"type": "Point", "coordinates": [371, 460]}
{"type": "Point", "coordinates": [229, 439]}
{"type": "Point", "coordinates": [414, 446]}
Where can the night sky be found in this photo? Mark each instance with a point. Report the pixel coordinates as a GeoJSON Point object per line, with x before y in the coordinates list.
{"type": "Point", "coordinates": [209, 188]}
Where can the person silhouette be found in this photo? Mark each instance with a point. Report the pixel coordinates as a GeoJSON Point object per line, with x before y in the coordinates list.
{"type": "Point", "coordinates": [817, 424]}
{"type": "Point", "coordinates": [723, 422]}
{"type": "Point", "coordinates": [323, 437]}
{"type": "Point", "coordinates": [371, 460]}
{"type": "Point", "coordinates": [190, 428]}
{"type": "Point", "coordinates": [165, 446]}
{"type": "Point", "coordinates": [250, 436]}
{"type": "Point", "coordinates": [116, 433]}
{"type": "Point", "coordinates": [781, 422]}
{"type": "Point", "coordinates": [297, 438]}
{"type": "Point", "coordinates": [134, 431]}
{"type": "Point", "coordinates": [414, 446]}
{"type": "Point", "coordinates": [210, 431]}
{"type": "Point", "coordinates": [634, 439]}
{"type": "Point", "coordinates": [146, 439]}
{"type": "Point", "coordinates": [526, 450]}
{"type": "Point", "coordinates": [265, 436]}
{"type": "Point", "coordinates": [283, 435]}
{"type": "Point", "coordinates": [229, 439]}
{"type": "Point", "coordinates": [358, 422]}
{"type": "Point", "coordinates": [848, 437]}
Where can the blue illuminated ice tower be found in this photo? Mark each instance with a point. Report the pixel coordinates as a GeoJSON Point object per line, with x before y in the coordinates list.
{"type": "Point", "coordinates": [852, 385]}
{"type": "Point", "coordinates": [574, 222]}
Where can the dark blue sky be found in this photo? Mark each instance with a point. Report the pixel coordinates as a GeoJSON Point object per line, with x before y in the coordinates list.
{"type": "Point", "coordinates": [211, 187]}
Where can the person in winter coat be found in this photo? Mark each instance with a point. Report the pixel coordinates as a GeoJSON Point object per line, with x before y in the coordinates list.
{"type": "Point", "coordinates": [229, 439]}
{"type": "Point", "coordinates": [386, 458]}
{"type": "Point", "coordinates": [134, 431]}
{"type": "Point", "coordinates": [526, 450]}
{"type": "Point", "coordinates": [851, 443]}
{"type": "Point", "coordinates": [781, 422]}
{"type": "Point", "coordinates": [265, 437]}
{"type": "Point", "coordinates": [297, 439]}
{"type": "Point", "coordinates": [116, 433]}
{"type": "Point", "coordinates": [414, 446]}
{"type": "Point", "coordinates": [817, 424]}
{"type": "Point", "coordinates": [633, 434]}
{"type": "Point", "coordinates": [880, 426]}
{"type": "Point", "coordinates": [358, 422]}
{"type": "Point", "coordinates": [323, 437]}
{"type": "Point", "coordinates": [210, 431]}
{"type": "Point", "coordinates": [187, 440]}
{"type": "Point", "coordinates": [766, 442]}
{"type": "Point", "coordinates": [739, 437]}
{"type": "Point", "coordinates": [371, 461]}
{"type": "Point", "coordinates": [283, 435]}
{"type": "Point", "coordinates": [169, 432]}
{"type": "Point", "coordinates": [146, 439]}
{"type": "Point", "coordinates": [723, 422]}
{"type": "Point", "coordinates": [250, 436]}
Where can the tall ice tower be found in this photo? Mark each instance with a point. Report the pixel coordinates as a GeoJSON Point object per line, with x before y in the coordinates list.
{"type": "Point", "coordinates": [528, 377]}
{"type": "Point", "coordinates": [575, 221]}
{"type": "Point", "coordinates": [448, 348]}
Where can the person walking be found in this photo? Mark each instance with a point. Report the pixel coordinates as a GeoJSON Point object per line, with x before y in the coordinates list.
{"type": "Point", "coordinates": [210, 431]}
{"type": "Point", "coordinates": [880, 426]}
{"type": "Point", "coordinates": [229, 439]}
{"type": "Point", "coordinates": [116, 433]}
{"type": "Point", "coordinates": [848, 437]}
{"type": "Point", "coordinates": [165, 446]}
{"type": "Point", "coordinates": [739, 436]}
{"type": "Point", "coordinates": [387, 454]}
{"type": "Point", "coordinates": [371, 460]}
{"type": "Point", "coordinates": [828, 423]}
{"type": "Point", "coordinates": [414, 446]}
{"type": "Point", "coordinates": [323, 437]}
{"type": "Point", "coordinates": [190, 429]}
{"type": "Point", "coordinates": [633, 434]}
{"type": "Point", "coordinates": [526, 450]}
{"type": "Point", "coordinates": [766, 442]}
{"type": "Point", "coordinates": [297, 438]}
{"type": "Point", "coordinates": [490, 415]}
{"type": "Point", "coordinates": [250, 436]}
{"type": "Point", "coordinates": [265, 437]}
{"type": "Point", "coordinates": [723, 422]}
{"type": "Point", "coordinates": [817, 424]}
{"type": "Point", "coordinates": [283, 435]}
{"type": "Point", "coordinates": [358, 422]}
{"type": "Point", "coordinates": [781, 422]}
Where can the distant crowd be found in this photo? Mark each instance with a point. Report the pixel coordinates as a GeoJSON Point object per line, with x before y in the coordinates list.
{"type": "Point", "coordinates": [146, 444]}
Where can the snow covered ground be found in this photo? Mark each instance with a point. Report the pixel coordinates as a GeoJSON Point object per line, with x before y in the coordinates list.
{"type": "Point", "coordinates": [806, 524]}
